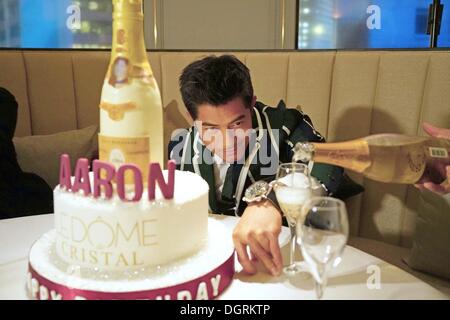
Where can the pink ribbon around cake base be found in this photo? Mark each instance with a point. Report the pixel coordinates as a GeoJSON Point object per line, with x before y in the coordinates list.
{"type": "Point", "coordinates": [208, 286]}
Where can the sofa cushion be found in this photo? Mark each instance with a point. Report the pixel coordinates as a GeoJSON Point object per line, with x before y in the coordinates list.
{"type": "Point", "coordinates": [431, 245]}
{"type": "Point", "coordinates": [397, 256]}
{"type": "Point", "coordinates": [40, 154]}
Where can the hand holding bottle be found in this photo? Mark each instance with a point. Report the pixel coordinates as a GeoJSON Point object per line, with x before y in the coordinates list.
{"type": "Point", "coordinates": [425, 182]}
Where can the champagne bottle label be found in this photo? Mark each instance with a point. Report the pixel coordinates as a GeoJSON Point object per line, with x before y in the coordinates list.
{"type": "Point", "coordinates": [416, 161]}
{"type": "Point", "coordinates": [117, 112]}
{"type": "Point", "coordinates": [121, 150]}
{"type": "Point", "coordinates": [438, 152]}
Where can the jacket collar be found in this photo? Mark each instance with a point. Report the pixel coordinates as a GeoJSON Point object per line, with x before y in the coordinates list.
{"type": "Point", "coordinates": [203, 161]}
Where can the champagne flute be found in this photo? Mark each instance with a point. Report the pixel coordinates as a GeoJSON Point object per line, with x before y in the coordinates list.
{"type": "Point", "coordinates": [322, 236]}
{"type": "Point", "coordinates": [292, 188]}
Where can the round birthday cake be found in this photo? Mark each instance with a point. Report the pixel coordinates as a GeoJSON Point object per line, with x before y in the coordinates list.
{"type": "Point", "coordinates": [151, 242]}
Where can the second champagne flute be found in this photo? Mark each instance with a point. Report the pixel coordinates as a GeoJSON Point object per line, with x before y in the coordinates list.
{"type": "Point", "coordinates": [322, 236]}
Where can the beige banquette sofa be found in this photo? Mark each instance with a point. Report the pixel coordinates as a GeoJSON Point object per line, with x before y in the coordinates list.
{"type": "Point", "coordinates": [348, 94]}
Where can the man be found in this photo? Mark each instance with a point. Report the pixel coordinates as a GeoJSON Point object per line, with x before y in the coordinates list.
{"type": "Point", "coordinates": [236, 141]}
{"type": "Point", "coordinates": [21, 193]}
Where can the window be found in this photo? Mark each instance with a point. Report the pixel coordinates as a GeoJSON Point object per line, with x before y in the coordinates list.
{"type": "Point", "coordinates": [55, 24]}
{"type": "Point", "coordinates": [331, 24]}
{"type": "Point", "coordinates": [322, 24]}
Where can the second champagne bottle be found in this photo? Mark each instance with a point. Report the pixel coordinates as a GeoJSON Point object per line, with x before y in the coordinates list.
{"type": "Point", "coordinates": [390, 158]}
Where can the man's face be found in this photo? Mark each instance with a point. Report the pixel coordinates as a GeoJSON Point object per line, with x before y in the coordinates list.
{"type": "Point", "coordinates": [224, 129]}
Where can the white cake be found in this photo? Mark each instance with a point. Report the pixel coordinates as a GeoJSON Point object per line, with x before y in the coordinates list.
{"type": "Point", "coordinates": [113, 249]}
{"type": "Point", "coordinates": [110, 234]}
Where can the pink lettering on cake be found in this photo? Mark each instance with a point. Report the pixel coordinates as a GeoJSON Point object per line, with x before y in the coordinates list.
{"type": "Point", "coordinates": [208, 286]}
{"type": "Point", "coordinates": [156, 176]}
{"type": "Point", "coordinates": [104, 174]}
{"type": "Point", "coordinates": [65, 172]}
{"type": "Point", "coordinates": [82, 177]}
{"type": "Point", "coordinates": [105, 182]}
{"type": "Point", "coordinates": [138, 186]}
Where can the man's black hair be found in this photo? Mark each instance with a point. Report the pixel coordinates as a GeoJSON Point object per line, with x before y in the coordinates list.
{"type": "Point", "coordinates": [215, 80]}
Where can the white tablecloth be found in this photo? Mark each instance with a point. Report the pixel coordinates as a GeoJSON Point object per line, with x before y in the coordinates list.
{"type": "Point", "coordinates": [348, 281]}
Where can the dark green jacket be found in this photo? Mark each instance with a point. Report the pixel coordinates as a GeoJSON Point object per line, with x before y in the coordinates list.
{"type": "Point", "coordinates": [277, 130]}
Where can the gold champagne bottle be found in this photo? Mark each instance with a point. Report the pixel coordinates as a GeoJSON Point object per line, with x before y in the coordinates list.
{"type": "Point", "coordinates": [391, 158]}
{"type": "Point", "coordinates": [131, 114]}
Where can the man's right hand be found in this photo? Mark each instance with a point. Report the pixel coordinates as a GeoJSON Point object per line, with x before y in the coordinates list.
{"type": "Point", "coordinates": [259, 228]}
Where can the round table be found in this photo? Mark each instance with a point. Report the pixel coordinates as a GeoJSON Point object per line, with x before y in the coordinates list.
{"type": "Point", "coordinates": [355, 278]}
